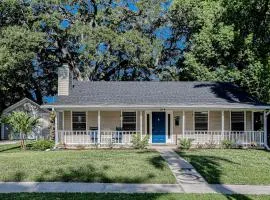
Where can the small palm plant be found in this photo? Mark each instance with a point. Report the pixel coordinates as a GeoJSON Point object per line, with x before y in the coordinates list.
{"type": "Point", "coordinates": [22, 123]}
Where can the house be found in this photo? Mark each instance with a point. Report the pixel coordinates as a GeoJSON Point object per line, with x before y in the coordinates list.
{"type": "Point", "coordinates": [111, 112]}
{"type": "Point", "coordinates": [33, 109]}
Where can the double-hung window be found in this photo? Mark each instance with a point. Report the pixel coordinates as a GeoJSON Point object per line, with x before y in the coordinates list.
{"type": "Point", "coordinates": [258, 121]}
{"type": "Point", "coordinates": [79, 121]}
{"type": "Point", "coordinates": [201, 121]}
{"type": "Point", "coordinates": [237, 121]}
{"type": "Point", "coordinates": [129, 121]}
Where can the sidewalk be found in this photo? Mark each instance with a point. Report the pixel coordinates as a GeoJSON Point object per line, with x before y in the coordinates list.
{"type": "Point", "coordinates": [41, 187]}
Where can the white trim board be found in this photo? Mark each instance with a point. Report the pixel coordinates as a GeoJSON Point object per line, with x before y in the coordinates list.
{"type": "Point", "coordinates": [160, 107]}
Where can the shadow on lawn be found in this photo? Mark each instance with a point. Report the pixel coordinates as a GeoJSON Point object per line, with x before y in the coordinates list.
{"type": "Point", "coordinates": [10, 148]}
{"type": "Point", "coordinates": [158, 162]}
{"type": "Point", "coordinates": [210, 169]}
{"type": "Point", "coordinates": [89, 173]}
{"type": "Point", "coordinates": [207, 166]}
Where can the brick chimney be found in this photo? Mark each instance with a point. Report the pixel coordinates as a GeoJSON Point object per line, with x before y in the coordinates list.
{"type": "Point", "coordinates": [64, 80]}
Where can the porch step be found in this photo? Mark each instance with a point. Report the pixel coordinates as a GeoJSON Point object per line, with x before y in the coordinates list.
{"type": "Point", "coordinates": [163, 146]}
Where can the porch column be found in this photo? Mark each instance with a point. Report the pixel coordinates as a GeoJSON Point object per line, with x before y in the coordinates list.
{"type": "Point", "coordinates": [121, 119]}
{"type": "Point", "coordinates": [252, 120]}
{"type": "Point", "coordinates": [99, 136]}
{"type": "Point", "coordinates": [2, 131]}
{"type": "Point", "coordinates": [183, 123]}
{"type": "Point", "coordinates": [222, 123]}
{"type": "Point", "coordinates": [55, 127]}
{"type": "Point", "coordinates": [245, 120]}
{"type": "Point", "coordinates": [265, 114]}
{"type": "Point", "coordinates": [86, 122]}
{"type": "Point", "coordinates": [141, 123]}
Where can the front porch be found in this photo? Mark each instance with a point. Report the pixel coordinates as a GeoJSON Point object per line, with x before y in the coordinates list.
{"type": "Point", "coordinates": [117, 127]}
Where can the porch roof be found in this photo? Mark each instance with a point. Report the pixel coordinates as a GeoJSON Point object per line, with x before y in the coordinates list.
{"type": "Point", "coordinates": [157, 95]}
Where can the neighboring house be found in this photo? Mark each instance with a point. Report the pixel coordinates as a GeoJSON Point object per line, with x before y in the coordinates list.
{"type": "Point", "coordinates": [111, 112]}
{"type": "Point", "coordinates": [33, 109]}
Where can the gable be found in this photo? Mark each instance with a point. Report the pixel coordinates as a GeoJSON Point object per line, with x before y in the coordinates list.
{"type": "Point", "coordinates": [26, 105]}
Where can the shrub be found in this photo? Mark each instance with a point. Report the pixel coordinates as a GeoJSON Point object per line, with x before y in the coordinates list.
{"type": "Point", "coordinates": [42, 145]}
{"type": "Point", "coordinates": [254, 144]}
{"type": "Point", "coordinates": [138, 142]}
{"type": "Point", "coordinates": [227, 144]}
{"type": "Point", "coordinates": [210, 145]}
{"type": "Point", "coordinates": [199, 146]}
{"type": "Point", "coordinates": [185, 143]}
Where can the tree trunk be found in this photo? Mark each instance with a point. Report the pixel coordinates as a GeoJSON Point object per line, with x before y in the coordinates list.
{"type": "Point", "coordinates": [21, 137]}
{"type": "Point", "coordinates": [23, 142]}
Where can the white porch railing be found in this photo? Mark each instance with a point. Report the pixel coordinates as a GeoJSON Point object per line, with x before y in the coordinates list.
{"type": "Point", "coordinates": [243, 138]}
{"type": "Point", "coordinates": [93, 138]}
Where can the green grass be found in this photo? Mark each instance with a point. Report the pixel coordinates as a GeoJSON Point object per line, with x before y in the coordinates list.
{"type": "Point", "coordinates": [231, 166]}
{"type": "Point", "coordinates": [10, 147]}
{"type": "Point", "coordinates": [16, 147]}
{"type": "Point", "coordinates": [94, 196]}
{"type": "Point", "coordinates": [119, 166]}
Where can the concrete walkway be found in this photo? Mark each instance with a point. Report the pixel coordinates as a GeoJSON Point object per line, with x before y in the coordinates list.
{"type": "Point", "coordinates": [4, 142]}
{"type": "Point", "coordinates": [183, 171]}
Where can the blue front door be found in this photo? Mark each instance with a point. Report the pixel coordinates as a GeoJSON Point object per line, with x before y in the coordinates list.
{"type": "Point", "coordinates": [158, 127]}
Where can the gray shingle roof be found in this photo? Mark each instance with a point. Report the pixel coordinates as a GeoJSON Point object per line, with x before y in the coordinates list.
{"type": "Point", "coordinates": [157, 94]}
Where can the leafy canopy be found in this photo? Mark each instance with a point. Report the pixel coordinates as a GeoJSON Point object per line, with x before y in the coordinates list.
{"type": "Point", "coordinates": [21, 122]}
{"type": "Point", "coordinates": [206, 40]}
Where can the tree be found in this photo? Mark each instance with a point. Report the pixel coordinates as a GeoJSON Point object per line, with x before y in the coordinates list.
{"type": "Point", "coordinates": [99, 40]}
{"type": "Point", "coordinates": [52, 125]}
{"type": "Point", "coordinates": [213, 40]}
{"type": "Point", "coordinates": [18, 48]}
{"type": "Point", "coordinates": [22, 123]}
{"type": "Point", "coordinates": [224, 41]}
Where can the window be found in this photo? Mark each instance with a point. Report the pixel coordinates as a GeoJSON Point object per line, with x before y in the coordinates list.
{"type": "Point", "coordinates": [237, 121]}
{"type": "Point", "coordinates": [79, 121]}
{"type": "Point", "coordinates": [60, 120]}
{"type": "Point", "coordinates": [129, 121]}
{"type": "Point", "coordinates": [148, 124]}
{"type": "Point", "coordinates": [258, 121]}
{"type": "Point", "coordinates": [201, 121]}
{"type": "Point", "coordinates": [177, 121]}
{"type": "Point", "coordinates": [169, 126]}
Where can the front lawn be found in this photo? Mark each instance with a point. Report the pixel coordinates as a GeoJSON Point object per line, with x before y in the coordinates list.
{"type": "Point", "coordinates": [231, 166]}
{"type": "Point", "coordinates": [10, 147]}
{"type": "Point", "coordinates": [95, 196]}
{"type": "Point", "coordinates": [118, 166]}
